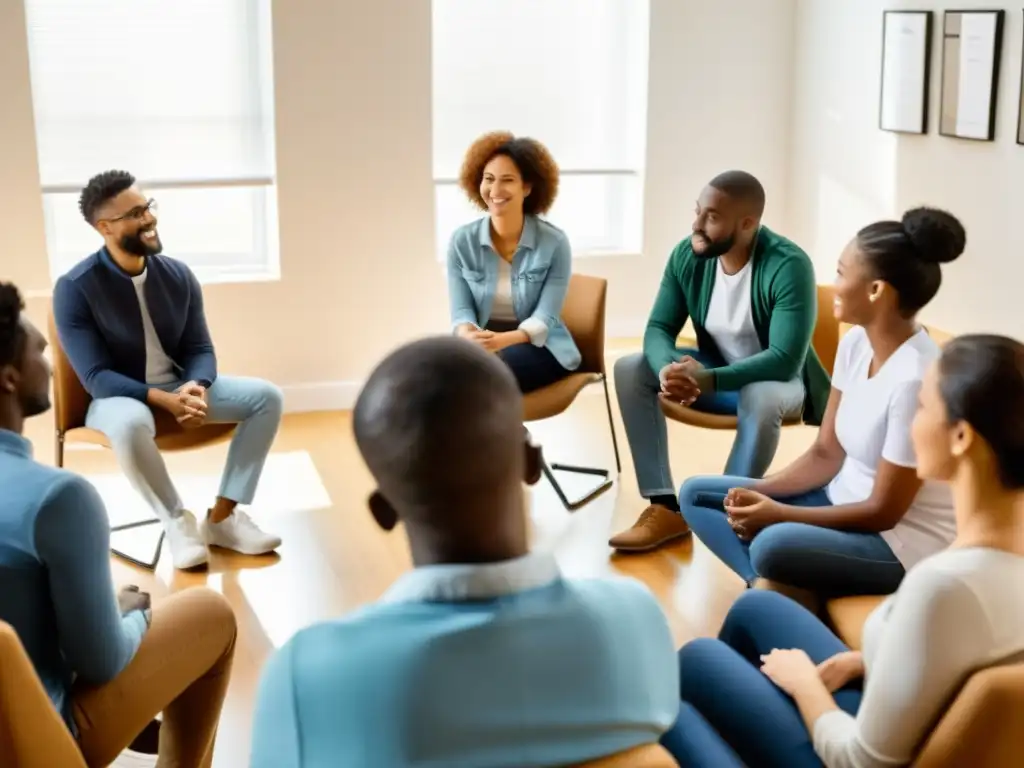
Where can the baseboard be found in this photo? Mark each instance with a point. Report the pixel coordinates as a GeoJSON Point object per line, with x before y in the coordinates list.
{"type": "Point", "coordinates": [321, 396]}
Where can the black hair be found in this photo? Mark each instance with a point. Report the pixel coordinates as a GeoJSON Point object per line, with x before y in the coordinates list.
{"type": "Point", "coordinates": [906, 254]}
{"type": "Point", "coordinates": [741, 186]}
{"type": "Point", "coordinates": [437, 422]}
{"type": "Point", "coordinates": [101, 188]}
{"type": "Point", "coordinates": [12, 334]}
{"type": "Point", "coordinates": [981, 379]}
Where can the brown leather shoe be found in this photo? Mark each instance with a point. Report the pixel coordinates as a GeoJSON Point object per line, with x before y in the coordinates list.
{"type": "Point", "coordinates": [657, 525]}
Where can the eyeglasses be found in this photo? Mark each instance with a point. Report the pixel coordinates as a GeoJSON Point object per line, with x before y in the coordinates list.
{"type": "Point", "coordinates": [138, 212]}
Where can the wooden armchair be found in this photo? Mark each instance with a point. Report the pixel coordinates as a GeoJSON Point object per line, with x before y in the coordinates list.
{"type": "Point", "coordinates": [981, 726]}
{"type": "Point", "coordinates": [70, 405]}
{"type": "Point", "coordinates": [32, 734]}
{"type": "Point", "coordinates": [825, 343]}
{"type": "Point", "coordinates": [646, 756]}
{"type": "Point", "coordinates": [583, 314]}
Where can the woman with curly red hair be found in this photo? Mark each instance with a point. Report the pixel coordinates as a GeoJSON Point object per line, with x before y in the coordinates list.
{"type": "Point", "coordinates": [508, 272]}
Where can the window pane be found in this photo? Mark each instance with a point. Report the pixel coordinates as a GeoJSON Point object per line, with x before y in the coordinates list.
{"type": "Point", "coordinates": [572, 74]}
{"type": "Point", "coordinates": [597, 213]}
{"type": "Point", "coordinates": [167, 89]}
{"type": "Point", "coordinates": [213, 230]}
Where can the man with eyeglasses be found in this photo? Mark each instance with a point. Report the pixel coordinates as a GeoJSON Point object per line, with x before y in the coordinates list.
{"type": "Point", "coordinates": [132, 324]}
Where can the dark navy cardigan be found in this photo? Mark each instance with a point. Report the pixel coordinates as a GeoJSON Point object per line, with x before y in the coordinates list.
{"type": "Point", "coordinates": [99, 323]}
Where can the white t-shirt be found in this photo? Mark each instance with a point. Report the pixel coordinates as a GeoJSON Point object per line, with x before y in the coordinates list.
{"type": "Point", "coordinates": [873, 423]}
{"type": "Point", "coordinates": [160, 369]}
{"type": "Point", "coordinates": [502, 309]}
{"type": "Point", "coordinates": [729, 320]}
{"type": "Point", "coordinates": [957, 612]}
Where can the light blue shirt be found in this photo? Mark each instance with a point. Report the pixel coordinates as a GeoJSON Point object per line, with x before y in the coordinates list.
{"type": "Point", "coordinates": [465, 666]}
{"type": "Point", "coordinates": [540, 278]}
{"type": "Point", "coordinates": [56, 589]}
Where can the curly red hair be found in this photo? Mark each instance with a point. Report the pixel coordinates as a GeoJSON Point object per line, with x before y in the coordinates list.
{"type": "Point", "coordinates": [535, 163]}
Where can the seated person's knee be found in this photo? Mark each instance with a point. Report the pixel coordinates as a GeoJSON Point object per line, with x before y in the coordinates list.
{"type": "Point", "coordinates": [762, 402]}
{"type": "Point", "coordinates": [774, 549]}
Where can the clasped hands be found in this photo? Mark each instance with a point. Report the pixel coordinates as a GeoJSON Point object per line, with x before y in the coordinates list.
{"type": "Point", "coordinates": [749, 511]}
{"type": "Point", "coordinates": [681, 382]}
{"type": "Point", "coordinates": [187, 404]}
{"type": "Point", "coordinates": [489, 340]}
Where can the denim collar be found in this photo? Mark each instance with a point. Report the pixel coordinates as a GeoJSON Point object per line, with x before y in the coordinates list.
{"type": "Point", "coordinates": [15, 444]}
{"type": "Point", "coordinates": [528, 239]}
{"type": "Point", "coordinates": [463, 583]}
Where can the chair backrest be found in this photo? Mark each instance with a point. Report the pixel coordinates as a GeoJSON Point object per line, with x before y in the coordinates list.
{"type": "Point", "coordinates": [826, 329]}
{"type": "Point", "coordinates": [982, 727]}
{"type": "Point", "coordinates": [70, 400]}
{"type": "Point", "coordinates": [645, 756]}
{"type": "Point", "coordinates": [583, 314]}
{"type": "Point", "coordinates": [32, 733]}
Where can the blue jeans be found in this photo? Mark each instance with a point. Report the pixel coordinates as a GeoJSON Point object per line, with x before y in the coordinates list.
{"type": "Point", "coordinates": [728, 705]}
{"type": "Point", "coordinates": [829, 561]}
{"type": "Point", "coordinates": [255, 405]}
{"type": "Point", "coordinates": [761, 408]}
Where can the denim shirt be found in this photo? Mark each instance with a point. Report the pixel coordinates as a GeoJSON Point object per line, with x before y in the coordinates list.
{"type": "Point", "coordinates": [540, 278]}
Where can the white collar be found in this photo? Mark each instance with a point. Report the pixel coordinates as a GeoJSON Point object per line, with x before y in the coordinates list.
{"type": "Point", "coordinates": [461, 583]}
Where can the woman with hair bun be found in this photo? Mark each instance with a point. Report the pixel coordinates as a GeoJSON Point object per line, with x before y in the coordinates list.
{"type": "Point", "coordinates": [850, 516]}
{"type": "Point", "coordinates": [815, 702]}
{"type": "Point", "coordinates": [508, 272]}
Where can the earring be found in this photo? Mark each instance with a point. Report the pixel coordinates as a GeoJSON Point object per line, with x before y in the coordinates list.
{"type": "Point", "coordinates": [872, 297]}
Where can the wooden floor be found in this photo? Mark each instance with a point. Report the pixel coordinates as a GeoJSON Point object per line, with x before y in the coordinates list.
{"type": "Point", "coordinates": [334, 559]}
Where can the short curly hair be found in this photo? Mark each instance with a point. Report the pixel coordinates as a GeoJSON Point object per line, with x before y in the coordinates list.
{"type": "Point", "coordinates": [101, 188]}
{"type": "Point", "coordinates": [535, 163]}
{"type": "Point", "coordinates": [12, 334]}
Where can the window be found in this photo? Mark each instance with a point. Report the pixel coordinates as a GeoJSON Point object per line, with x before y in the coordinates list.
{"type": "Point", "coordinates": [179, 93]}
{"type": "Point", "coordinates": [569, 73]}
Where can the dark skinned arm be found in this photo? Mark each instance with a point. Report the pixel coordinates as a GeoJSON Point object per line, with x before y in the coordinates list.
{"type": "Point", "coordinates": [896, 481]}
{"type": "Point", "coordinates": [818, 464]}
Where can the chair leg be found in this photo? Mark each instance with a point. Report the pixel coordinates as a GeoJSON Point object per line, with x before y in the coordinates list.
{"type": "Point", "coordinates": [149, 564]}
{"type": "Point", "coordinates": [611, 425]}
{"type": "Point", "coordinates": [604, 474]}
{"type": "Point", "coordinates": [58, 449]}
{"type": "Point", "coordinates": [573, 505]}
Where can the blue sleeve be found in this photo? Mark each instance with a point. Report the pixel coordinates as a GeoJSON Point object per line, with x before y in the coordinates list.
{"type": "Point", "coordinates": [460, 298]}
{"type": "Point", "coordinates": [548, 311]}
{"type": "Point", "coordinates": [198, 357]}
{"type": "Point", "coordinates": [72, 539]}
{"type": "Point", "coordinates": [85, 347]}
{"type": "Point", "coordinates": [275, 733]}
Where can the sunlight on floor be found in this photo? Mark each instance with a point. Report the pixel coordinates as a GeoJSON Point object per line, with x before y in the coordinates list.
{"type": "Point", "coordinates": [290, 484]}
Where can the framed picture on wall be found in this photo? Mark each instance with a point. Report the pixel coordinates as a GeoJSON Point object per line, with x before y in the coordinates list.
{"type": "Point", "coordinates": [972, 45]}
{"type": "Point", "coordinates": [906, 71]}
{"type": "Point", "coordinates": [1020, 106]}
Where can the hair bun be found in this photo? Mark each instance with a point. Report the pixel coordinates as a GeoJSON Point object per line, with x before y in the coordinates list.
{"type": "Point", "coordinates": [938, 236]}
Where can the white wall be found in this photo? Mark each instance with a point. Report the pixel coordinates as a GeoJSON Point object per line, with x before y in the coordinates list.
{"type": "Point", "coordinates": [846, 172]}
{"type": "Point", "coordinates": [359, 274]}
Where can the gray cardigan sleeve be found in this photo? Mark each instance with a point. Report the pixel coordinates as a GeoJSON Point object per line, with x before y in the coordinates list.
{"type": "Point", "coordinates": [72, 539]}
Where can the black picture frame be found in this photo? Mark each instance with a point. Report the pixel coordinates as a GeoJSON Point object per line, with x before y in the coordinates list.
{"type": "Point", "coordinates": [951, 32]}
{"type": "Point", "coordinates": [925, 85]}
{"type": "Point", "coordinates": [1020, 103]}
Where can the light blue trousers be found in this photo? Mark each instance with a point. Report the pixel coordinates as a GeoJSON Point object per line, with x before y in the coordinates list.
{"type": "Point", "coordinates": [761, 408]}
{"type": "Point", "coordinates": [255, 405]}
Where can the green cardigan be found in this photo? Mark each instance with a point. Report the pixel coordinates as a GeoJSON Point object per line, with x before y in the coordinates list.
{"type": "Point", "coordinates": [784, 304]}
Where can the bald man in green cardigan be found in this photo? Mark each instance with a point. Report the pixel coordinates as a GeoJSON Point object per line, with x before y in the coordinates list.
{"type": "Point", "coordinates": [752, 297]}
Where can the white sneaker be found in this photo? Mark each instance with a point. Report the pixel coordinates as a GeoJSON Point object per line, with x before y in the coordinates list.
{"type": "Point", "coordinates": [187, 547]}
{"type": "Point", "coordinates": [239, 533]}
